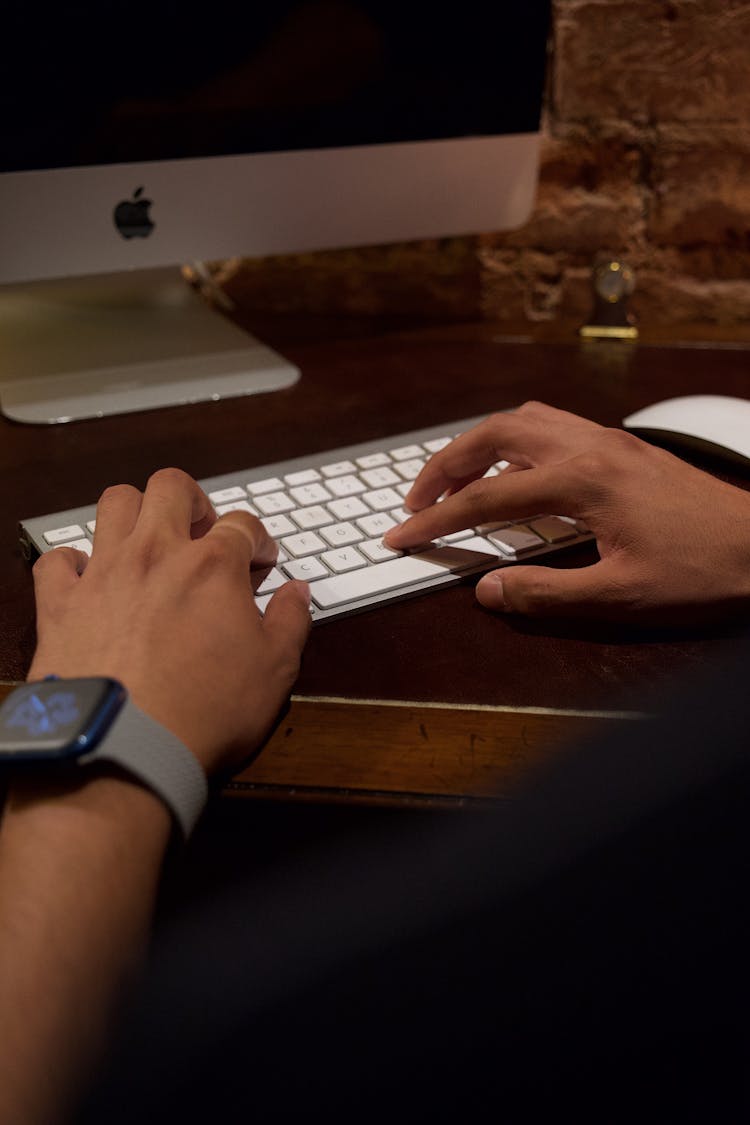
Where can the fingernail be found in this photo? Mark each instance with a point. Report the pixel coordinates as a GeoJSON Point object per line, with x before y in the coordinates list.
{"type": "Point", "coordinates": [491, 593]}
{"type": "Point", "coordinates": [304, 591]}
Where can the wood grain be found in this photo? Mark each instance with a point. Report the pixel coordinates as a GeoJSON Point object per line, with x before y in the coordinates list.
{"type": "Point", "coordinates": [408, 753]}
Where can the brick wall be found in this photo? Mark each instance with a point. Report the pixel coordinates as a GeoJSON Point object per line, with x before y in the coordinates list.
{"type": "Point", "coordinates": [646, 155]}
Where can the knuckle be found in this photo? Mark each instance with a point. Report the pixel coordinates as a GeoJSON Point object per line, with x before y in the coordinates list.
{"type": "Point", "coordinates": [50, 560]}
{"type": "Point", "coordinates": [242, 520]}
{"type": "Point", "coordinates": [217, 551]}
{"type": "Point", "coordinates": [621, 441]}
{"type": "Point", "coordinates": [529, 406]}
{"type": "Point", "coordinates": [169, 478]}
{"type": "Point", "coordinates": [115, 494]}
{"type": "Point", "coordinates": [597, 465]}
{"type": "Point", "coordinates": [592, 467]}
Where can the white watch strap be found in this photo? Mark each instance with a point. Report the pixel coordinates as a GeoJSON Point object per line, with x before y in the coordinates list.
{"type": "Point", "coordinates": [143, 747]}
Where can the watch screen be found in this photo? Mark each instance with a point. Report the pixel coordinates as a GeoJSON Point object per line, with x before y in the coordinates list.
{"type": "Point", "coordinates": [55, 717]}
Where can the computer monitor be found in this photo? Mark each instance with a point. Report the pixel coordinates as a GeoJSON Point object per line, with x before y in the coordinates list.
{"type": "Point", "coordinates": [138, 140]}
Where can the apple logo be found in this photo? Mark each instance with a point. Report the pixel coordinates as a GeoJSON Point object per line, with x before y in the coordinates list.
{"type": "Point", "coordinates": [132, 218]}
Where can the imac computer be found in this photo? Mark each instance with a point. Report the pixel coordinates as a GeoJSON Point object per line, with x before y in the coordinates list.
{"type": "Point", "coordinates": [138, 142]}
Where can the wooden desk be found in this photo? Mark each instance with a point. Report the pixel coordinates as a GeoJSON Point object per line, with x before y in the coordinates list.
{"type": "Point", "coordinates": [431, 701]}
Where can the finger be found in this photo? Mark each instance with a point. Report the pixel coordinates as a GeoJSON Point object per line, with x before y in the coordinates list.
{"type": "Point", "coordinates": [532, 435]}
{"type": "Point", "coordinates": [515, 496]}
{"type": "Point", "coordinates": [173, 504]}
{"type": "Point", "coordinates": [116, 515]}
{"type": "Point", "coordinates": [287, 621]}
{"type": "Point", "coordinates": [249, 537]}
{"type": "Point", "coordinates": [466, 458]}
{"type": "Point", "coordinates": [539, 591]}
{"type": "Point", "coordinates": [57, 571]}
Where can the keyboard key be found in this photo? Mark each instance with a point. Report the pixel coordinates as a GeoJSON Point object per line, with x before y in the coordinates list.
{"type": "Point", "coordinates": [348, 558]}
{"type": "Point", "coordinates": [61, 534]}
{"type": "Point", "coordinates": [410, 470]}
{"type": "Point", "coordinates": [306, 569]}
{"type": "Point", "coordinates": [376, 551]}
{"type": "Point", "coordinates": [348, 508]}
{"type": "Point", "coordinates": [434, 445]}
{"type": "Point", "coordinates": [373, 460]}
{"type": "Point", "coordinates": [307, 543]}
{"type": "Point", "coordinates": [226, 495]}
{"type": "Point", "coordinates": [579, 525]}
{"type": "Point", "coordinates": [376, 525]}
{"type": "Point", "coordinates": [456, 536]}
{"type": "Point", "coordinates": [308, 518]}
{"type": "Point", "coordinates": [407, 452]}
{"type": "Point", "coordinates": [271, 582]}
{"type": "Point", "coordinates": [235, 506]}
{"type": "Point", "coordinates": [270, 484]}
{"type": "Point", "coordinates": [486, 528]}
{"type": "Point", "coordinates": [278, 525]}
{"type": "Point", "coordinates": [381, 499]}
{"type": "Point", "coordinates": [553, 529]}
{"type": "Point", "coordinates": [274, 502]}
{"type": "Point", "coordinates": [306, 476]}
{"type": "Point", "coordinates": [263, 601]}
{"type": "Point", "coordinates": [84, 545]}
{"type": "Point", "coordinates": [516, 540]}
{"type": "Point", "coordinates": [338, 469]}
{"type": "Point", "coordinates": [310, 494]}
{"type": "Point", "coordinates": [382, 577]}
{"type": "Point", "coordinates": [346, 486]}
{"type": "Point", "coordinates": [341, 534]}
{"type": "Point", "coordinates": [379, 478]}
{"type": "Point", "coordinates": [481, 545]}
{"type": "Point", "coordinates": [91, 526]}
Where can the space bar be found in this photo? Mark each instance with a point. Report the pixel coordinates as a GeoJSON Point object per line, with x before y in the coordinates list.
{"type": "Point", "coordinates": [390, 575]}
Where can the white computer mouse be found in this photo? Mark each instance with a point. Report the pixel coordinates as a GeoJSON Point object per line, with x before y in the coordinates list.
{"type": "Point", "coordinates": [716, 424]}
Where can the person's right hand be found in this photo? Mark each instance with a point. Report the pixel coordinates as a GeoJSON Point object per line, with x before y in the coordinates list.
{"type": "Point", "coordinates": [165, 605]}
{"type": "Point", "coordinates": [674, 542]}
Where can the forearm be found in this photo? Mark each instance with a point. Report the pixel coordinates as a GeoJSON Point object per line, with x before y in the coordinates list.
{"type": "Point", "coordinates": [79, 870]}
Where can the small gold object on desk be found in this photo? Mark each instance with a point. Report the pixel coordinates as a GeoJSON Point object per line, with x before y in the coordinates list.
{"type": "Point", "coordinates": [613, 282]}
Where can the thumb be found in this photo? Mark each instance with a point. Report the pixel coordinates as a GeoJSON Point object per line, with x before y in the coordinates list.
{"type": "Point", "coordinates": [287, 619]}
{"type": "Point", "coordinates": [56, 571]}
{"type": "Point", "coordinates": [539, 591]}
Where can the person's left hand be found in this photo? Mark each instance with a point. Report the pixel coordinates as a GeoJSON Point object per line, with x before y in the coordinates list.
{"type": "Point", "coordinates": [165, 605]}
{"type": "Point", "coordinates": [673, 541]}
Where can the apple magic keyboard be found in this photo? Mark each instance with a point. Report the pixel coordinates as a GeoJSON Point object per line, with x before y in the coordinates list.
{"type": "Point", "coordinates": [328, 513]}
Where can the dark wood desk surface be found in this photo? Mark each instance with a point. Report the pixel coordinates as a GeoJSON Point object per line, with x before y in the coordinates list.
{"type": "Point", "coordinates": [485, 697]}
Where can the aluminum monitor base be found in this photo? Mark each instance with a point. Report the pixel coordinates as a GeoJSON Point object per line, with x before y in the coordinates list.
{"type": "Point", "coordinates": [120, 343]}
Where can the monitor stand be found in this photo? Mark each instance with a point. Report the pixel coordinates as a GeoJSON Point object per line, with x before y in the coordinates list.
{"type": "Point", "coordinates": [118, 343]}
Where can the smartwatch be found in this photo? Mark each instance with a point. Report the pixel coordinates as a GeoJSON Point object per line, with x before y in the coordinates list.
{"type": "Point", "coordinates": [78, 722]}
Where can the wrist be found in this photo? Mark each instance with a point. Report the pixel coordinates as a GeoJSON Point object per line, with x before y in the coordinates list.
{"type": "Point", "coordinates": [63, 732]}
{"type": "Point", "coordinates": [103, 804]}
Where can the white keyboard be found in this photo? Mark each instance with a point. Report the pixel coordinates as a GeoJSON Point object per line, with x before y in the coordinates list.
{"type": "Point", "coordinates": [328, 514]}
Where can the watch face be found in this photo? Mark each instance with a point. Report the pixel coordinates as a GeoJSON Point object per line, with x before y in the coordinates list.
{"type": "Point", "coordinates": [57, 718]}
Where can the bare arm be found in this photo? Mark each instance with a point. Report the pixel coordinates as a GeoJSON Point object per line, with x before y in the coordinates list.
{"type": "Point", "coordinates": [164, 605]}
{"type": "Point", "coordinates": [674, 542]}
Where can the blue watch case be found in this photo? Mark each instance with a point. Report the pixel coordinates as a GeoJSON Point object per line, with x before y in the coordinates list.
{"type": "Point", "coordinates": [55, 719]}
